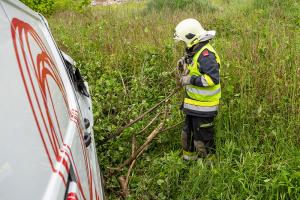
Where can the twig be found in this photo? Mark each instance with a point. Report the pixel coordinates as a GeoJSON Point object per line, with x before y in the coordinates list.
{"type": "Point", "coordinates": [124, 189]}
{"type": "Point", "coordinates": [161, 131]}
{"type": "Point", "coordinates": [145, 145]}
{"type": "Point", "coordinates": [124, 86]}
{"type": "Point", "coordinates": [150, 123]}
{"type": "Point", "coordinates": [120, 130]}
{"type": "Point", "coordinates": [149, 139]}
{"type": "Point", "coordinates": [123, 181]}
{"type": "Point", "coordinates": [142, 148]}
{"type": "Point", "coordinates": [129, 172]}
{"type": "Point", "coordinates": [171, 127]}
{"type": "Point", "coordinates": [134, 147]}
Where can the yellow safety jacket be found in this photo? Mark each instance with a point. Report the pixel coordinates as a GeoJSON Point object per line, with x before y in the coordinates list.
{"type": "Point", "coordinates": [202, 99]}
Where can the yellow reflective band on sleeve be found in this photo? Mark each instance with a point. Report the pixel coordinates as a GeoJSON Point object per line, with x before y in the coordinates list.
{"type": "Point", "coordinates": [208, 80]}
{"type": "Point", "coordinates": [199, 103]}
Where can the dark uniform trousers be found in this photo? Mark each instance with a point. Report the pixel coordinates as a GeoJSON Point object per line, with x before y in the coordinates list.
{"type": "Point", "coordinates": [198, 135]}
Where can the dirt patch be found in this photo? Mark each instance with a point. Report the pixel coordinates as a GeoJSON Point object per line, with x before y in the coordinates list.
{"type": "Point", "coordinates": [107, 2]}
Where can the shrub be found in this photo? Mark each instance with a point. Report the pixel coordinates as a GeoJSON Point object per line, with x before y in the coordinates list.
{"type": "Point", "coordinates": [47, 7]}
{"type": "Point", "coordinates": [71, 4]}
{"type": "Point", "coordinates": [42, 6]}
{"type": "Point", "coordinates": [201, 5]}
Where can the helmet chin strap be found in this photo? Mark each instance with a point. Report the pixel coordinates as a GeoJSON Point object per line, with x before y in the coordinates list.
{"type": "Point", "coordinates": [192, 50]}
{"type": "Point", "coordinates": [194, 42]}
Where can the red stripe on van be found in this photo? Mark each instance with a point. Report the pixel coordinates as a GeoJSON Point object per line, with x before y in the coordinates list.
{"type": "Point", "coordinates": [22, 28]}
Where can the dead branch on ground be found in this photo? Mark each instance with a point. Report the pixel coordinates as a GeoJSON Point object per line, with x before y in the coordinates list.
{"type": "Point", "coordinates": [171, 127]}
{"type": "Point", "coordinates": [120, 130]}
{"type": "Point", "coordinates": [141, 148]}
{"type": "Point", "coordinates": [150, 123]}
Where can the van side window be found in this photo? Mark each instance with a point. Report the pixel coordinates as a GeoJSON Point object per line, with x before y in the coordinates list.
{"type": "Point", "coordinates": [75, 75]}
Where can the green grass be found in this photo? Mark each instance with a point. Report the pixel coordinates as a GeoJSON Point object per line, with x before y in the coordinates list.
{"type": "Point", "coordinates": [127, 55]}
{"type": "Point", "coordinates": [200, 5]}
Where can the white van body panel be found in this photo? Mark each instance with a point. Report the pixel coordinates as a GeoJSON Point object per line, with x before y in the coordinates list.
{"type": "Point", "coordinates": [42, 115]}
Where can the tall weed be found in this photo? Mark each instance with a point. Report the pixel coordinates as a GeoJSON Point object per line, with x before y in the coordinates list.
{"type": "Point", "coordinates": [199, 5]}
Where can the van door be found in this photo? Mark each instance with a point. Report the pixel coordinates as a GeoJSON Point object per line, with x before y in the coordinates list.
{"type": "Point", "coordinates": [48, 115]}
{"type": "Point", "coordinates": [24, 171]}
{"type": "Point", "coordinates": [85, 104]}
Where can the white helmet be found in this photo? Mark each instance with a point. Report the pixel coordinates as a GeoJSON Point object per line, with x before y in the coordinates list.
{"type": "Point", "coordinates": [191, 32]}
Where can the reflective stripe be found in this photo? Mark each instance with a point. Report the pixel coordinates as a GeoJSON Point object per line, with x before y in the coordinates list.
{"type": "Point", "coordinates": [206, 125]}
{"type": "Point", "coordinates": [187, 158]}
{"type": "Point", "coordinates": [209, 80]}
{"type": "Point", "coordinates": [200, 103]}
{"type": "Point", "coordinates": [204, 82]}
{"type": "Point", "coordinates": [200, 108]}
{"type": "Point", "coordinates": [202, 92]}
{"type": "Point", "coordinates": [188, 153]}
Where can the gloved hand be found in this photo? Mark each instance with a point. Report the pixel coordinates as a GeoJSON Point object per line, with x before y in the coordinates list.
{"type": "Point", "coordinates": [185, 80]}
{"type": "Point", "coordinates": [181, 64]}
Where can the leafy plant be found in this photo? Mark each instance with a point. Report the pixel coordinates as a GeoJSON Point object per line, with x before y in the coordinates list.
{"type": "Point", "coordinates": [47, 7]}
{"type": "Point", "coordinates": [42, 6]}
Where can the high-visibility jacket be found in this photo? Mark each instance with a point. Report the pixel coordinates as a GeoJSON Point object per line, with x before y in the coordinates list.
{"type": "Point", "coordinates": [202, 99]}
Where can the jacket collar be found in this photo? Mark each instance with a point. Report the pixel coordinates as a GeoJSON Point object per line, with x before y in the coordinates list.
{"type": "Point", "coordinates": [190, 52]}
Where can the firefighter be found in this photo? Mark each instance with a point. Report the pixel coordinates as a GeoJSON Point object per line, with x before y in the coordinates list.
{"type": "Point", "coordinates": [200, 78]}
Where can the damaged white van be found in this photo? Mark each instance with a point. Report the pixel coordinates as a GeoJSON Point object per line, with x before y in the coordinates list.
{"type": "Point", "coordinates": [47, 148]}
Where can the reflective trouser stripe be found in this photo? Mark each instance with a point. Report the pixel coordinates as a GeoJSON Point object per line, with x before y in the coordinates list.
{"type": "Point", "coordinates": [206, 125]}
{"type": "Point", "coordinates": [200, 108]}
{"type": "Point", "coordinates": [188, 153]}
{"type": "Point", "coordinates": [203, 92]}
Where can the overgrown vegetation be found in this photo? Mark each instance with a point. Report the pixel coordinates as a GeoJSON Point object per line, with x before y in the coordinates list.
{"type": "Point", "coordinates": [42, 6]}
{"type": "Point", "coordinates": [47, 7]}
{"type": "Point", "coordinates": [200, 5]}
{"type": "Point", "coordinates": [128, 56]}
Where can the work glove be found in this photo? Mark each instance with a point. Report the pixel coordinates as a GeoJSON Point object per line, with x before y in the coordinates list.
{"type": "Point", "coordinates": [185, 80]}
{"type": "Point", "coordinates": [181, 64]}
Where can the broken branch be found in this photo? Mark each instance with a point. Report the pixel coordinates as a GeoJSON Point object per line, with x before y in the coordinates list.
{"type": "Point", "coordinates": [150, 123]}
{"type": "Point", "coordinates": [140, 149]}
{"type": "Point", "coordinates": [120, 130]}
